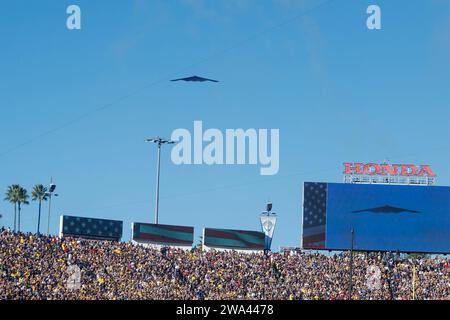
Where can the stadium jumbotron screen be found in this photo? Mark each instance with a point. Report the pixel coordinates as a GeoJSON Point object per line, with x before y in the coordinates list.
{"type": "Point", "coordinates": [383, 217]}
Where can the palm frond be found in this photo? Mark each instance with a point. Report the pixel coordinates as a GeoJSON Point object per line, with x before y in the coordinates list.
{"type": "Point", "coordinates": [39, 193]}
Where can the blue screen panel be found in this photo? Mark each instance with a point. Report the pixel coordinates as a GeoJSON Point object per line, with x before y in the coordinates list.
{"type": "Point", "coordinates": [404, 218]}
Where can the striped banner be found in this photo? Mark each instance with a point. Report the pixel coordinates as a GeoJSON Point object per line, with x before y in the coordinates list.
{"type": "Point", "coordinates": [234, 239]}
{"type": "Point", "coordinates": [162, 234]}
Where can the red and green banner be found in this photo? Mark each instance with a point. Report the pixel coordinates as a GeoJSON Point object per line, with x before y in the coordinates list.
{"type": "Point", "coordinates": [163, 234]}
{"type": "Point", "coordinates": [234, 239]}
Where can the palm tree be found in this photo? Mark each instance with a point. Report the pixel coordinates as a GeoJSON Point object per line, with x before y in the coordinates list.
{"type": "Point", "coordinates": [23, 199]}
{"type": "Point", "coordinates": [12, 195]}
{"type": "Point", "coordinates": [39, 193]}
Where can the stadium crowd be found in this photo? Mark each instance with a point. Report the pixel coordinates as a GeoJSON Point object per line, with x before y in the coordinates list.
{"type": "Point", "coordinates": [37, 267]}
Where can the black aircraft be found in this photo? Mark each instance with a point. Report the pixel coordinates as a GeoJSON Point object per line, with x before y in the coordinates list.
{"type": "Point", "coordinates": [386, 209]}
{"type": "Point", "coordinates": [195, 78]}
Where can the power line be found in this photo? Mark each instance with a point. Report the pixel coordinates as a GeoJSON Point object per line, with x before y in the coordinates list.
{"type": "Point", "coordinates": [208, 190]}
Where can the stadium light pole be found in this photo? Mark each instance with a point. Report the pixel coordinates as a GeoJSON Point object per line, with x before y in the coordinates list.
{"type": "Point", "coordinates": [159, 141]}
{"type": "Point", "coordinates": [50, 193]}
{"type": "Point", "coordinates": [350, 286]}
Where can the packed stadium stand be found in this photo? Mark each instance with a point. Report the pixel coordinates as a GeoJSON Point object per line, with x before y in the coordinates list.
{"type": "Point", "coordinates": [34, 267]}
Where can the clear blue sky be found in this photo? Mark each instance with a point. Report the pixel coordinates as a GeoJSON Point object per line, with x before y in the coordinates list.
{"type": "Point", "coordinates": [337, 91]}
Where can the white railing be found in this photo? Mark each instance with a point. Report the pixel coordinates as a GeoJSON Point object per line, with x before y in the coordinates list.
{"type": "Point", "coordinates": [364, 179]}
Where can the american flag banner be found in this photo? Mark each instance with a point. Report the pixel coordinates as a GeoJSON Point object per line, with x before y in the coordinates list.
{"type": "Point", "coordinates": [90, 228]}
{"type": "Point", "coordinates": [314, 215]}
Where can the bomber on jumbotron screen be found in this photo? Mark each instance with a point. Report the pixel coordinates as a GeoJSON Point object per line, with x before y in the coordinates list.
{"type": "Point", "coordinates": [376, 217]}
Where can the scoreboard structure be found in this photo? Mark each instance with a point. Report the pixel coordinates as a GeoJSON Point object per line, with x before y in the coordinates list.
{"type": "Point", "coordinates": [90, 228]}
{"type": "Point", "coordinates": [400, 218]}
{"type": "Point", "coordinates": [239, 240]}
{"type": "Point", "coordinates": [161, 235]}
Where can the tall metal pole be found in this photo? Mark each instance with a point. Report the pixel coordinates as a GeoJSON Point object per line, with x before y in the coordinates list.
{"type": "Point", "coordinates": [350, 286]}
{"type": "Point", "coordinates": [50, 193]}
{"type": "Point", "coordinates": [414, 283]}
{"type": "Point", "coordinates": [49, 210]}
{"type": "Point", "coordinates": [158, 170]}
{"type": "Point", "coordinates": [159, 141]}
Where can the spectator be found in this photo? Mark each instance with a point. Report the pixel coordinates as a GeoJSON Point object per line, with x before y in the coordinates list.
{"type": "Point", "coordinates": [35, 267]}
